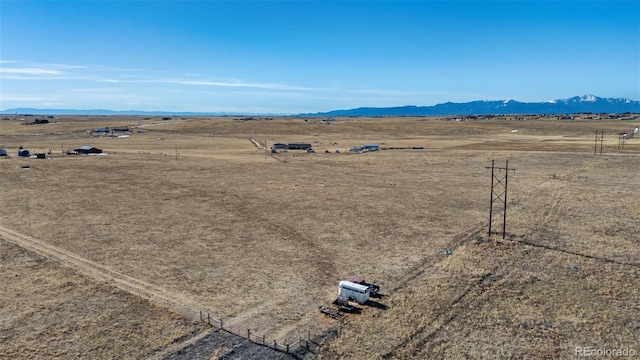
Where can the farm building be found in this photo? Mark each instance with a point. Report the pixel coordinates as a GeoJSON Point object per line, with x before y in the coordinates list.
{"type": "Point", "coordinates": [299, 146]}
{"type": "Point", "coordinates": [24, 152]}
{"type": "Point", "coordinates": [121, 129]}
{"type": "Point", "coordinates": [3, 152]}
{"type": "Point", "coordinates": [279, 146]}
{"type": "Point", "coordinates": [88, 150]}
{"type": "Point", "coordinates": [101, 130]}
{"type": "Point", "coordinates": [365, 147]}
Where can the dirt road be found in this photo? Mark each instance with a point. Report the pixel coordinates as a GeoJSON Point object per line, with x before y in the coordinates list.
{"type": "Point", "coordinates": [101, 273]}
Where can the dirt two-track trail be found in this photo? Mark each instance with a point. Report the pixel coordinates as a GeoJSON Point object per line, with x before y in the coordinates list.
{"type": "Point", "coordinates": [99, 272]}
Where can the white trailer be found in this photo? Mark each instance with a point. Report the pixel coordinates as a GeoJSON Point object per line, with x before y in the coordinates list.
{"type": "Point", "coordinates": [357, 292]}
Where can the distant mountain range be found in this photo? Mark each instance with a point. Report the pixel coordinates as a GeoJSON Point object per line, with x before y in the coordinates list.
{"type": "Point", "coordinates": [32, 111]}
{"type": "Point", "coordinates": [577, 104]}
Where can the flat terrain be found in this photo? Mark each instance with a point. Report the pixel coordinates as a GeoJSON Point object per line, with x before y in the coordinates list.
{"type": "Point", "coordinates": [191, 215]}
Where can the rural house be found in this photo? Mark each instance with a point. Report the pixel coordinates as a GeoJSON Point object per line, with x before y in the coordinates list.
{"type": "Point", "coordinates": [88, 150]}
{"type": "Point", "coordinates": [23, 152]}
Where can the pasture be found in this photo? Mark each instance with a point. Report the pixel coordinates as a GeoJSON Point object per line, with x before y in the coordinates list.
{"type": "Point", "coordinates": [193, 216]}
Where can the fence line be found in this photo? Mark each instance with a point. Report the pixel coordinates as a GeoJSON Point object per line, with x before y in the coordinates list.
{"type": "Point", "coordinates": [306, 345]}
{"type": "Point", "coordinates": [102, 273]}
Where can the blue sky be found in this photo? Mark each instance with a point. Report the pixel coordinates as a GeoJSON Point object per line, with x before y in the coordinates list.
{"type": "Point", "coordinates": [308, 56]}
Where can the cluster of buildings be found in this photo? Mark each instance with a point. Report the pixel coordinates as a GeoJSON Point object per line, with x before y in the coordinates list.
{"type": "Point", "coordinates": [292, 146]}
{"type": "Point", "coordinates": [305, 146]}
{"type": "Point", "coordinates": [106, 130]}
{"type": "Point", "coordinates": [82, 150]}
{"type": "Point", "coordinates": [365, 148]}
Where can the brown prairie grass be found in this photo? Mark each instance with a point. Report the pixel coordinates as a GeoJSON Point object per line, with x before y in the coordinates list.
{"type": "Point", "coordinates": [193, 207]}
{"type": "Point", "coordinates": [49, 311]}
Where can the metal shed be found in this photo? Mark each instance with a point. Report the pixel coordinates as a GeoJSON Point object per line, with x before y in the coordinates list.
{"type": "Point", "coordinates": [278, 146]}
{"type": "Point", "coordinates": [299, 146]}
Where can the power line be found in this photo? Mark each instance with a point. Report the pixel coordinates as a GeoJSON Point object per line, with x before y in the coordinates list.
{"type": "Point", "coordinates": [499, 192]}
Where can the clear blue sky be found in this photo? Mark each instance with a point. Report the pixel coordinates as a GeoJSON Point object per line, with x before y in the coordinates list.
{"type": "Point", "coordinates": [309, 56]}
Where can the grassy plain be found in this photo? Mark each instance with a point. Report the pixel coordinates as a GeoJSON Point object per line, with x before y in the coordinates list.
{"type": "Point", "coordinates": [194, 208]}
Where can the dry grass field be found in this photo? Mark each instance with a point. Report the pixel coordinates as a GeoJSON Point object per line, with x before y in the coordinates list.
{"type": "Point", "coordinates": [191, 212]}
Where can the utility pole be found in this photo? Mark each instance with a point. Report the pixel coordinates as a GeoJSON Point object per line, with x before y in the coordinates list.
{"type": "Point", "coordinates": [499, 192]}
{"type": "Point", "coordinates": [601, 138]}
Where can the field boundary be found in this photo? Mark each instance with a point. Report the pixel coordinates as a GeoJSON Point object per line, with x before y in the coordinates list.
{"type": "Point", "coordinates": [295, 348]}
{"type": "Point", "coordinates": [607, 260]}
{"type": "Point", "coordinates": [150, 292]}
{"type": "Point", "coordinates": [458, 240]}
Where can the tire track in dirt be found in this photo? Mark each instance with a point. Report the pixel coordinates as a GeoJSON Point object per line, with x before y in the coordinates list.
{"type": "Point", "coordinates": [297, 240]}
{"type": "Point", "coordinates": [557, 184]}
{"type": "Point", "coordinates": [99, 272]}
{"type": "Point", "coordinates": [420, 269]}
{"type": "Point", "coordinates": [444, 317]}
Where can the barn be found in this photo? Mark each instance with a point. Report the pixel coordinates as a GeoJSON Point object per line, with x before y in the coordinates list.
{"type": "Point", "coordinates": [88, 150]}
{"type": "Point", "coordinates": [371, 147]}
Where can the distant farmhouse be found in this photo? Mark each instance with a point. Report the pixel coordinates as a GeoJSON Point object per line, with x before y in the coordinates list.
{"type": "Point", "coordinates": [23, 152]}
{"type": "Point", "coordinates": [85, 150]}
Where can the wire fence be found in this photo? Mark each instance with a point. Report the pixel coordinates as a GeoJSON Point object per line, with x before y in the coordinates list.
{"type": "Point", "coordinates": [303, 345]}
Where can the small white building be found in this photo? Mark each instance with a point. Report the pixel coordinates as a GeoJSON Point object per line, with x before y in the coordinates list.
{"type": "Point", "coordinates": [353, 291]}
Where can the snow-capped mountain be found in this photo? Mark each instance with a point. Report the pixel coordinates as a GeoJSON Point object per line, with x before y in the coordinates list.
{"type": "Point", "coordinates": [576, 104]}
